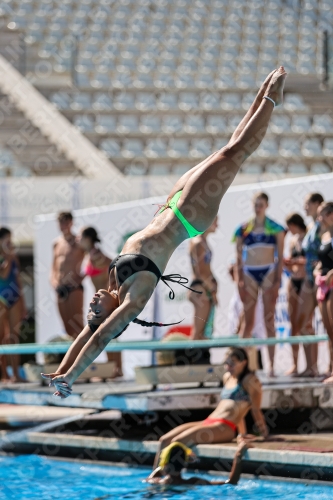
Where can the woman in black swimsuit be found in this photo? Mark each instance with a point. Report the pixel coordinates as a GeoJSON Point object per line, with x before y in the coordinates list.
{"type": "Point", "coordinates": [324, 275]}
{"type": "Point", "coordinates": [295, 264]}
{"type": "Point", "coordinates": [194, 202]}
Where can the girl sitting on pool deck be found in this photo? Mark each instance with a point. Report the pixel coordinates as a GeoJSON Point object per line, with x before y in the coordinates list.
{"type": "Point", "coordinates": [194, 202]}
{"type": "Point", "coordinates": [241, 392]}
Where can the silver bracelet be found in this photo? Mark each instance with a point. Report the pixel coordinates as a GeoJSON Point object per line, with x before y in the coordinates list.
{"type": "Point", "coordinates": [266, 97]}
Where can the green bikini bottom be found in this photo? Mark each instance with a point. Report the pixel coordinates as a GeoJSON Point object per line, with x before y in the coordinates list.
{"type": "Point", "coordinates": [173, 205]}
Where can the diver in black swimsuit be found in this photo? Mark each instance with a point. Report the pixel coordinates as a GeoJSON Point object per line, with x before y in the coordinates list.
{"type": "Point", "coordinates": [296, 267]}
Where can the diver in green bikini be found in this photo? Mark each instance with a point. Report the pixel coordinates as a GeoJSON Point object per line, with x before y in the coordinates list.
{"type": "Point", "coordinates": [191, 208]}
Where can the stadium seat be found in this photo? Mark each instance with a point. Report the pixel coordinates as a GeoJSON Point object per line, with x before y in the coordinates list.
{"type": "Point", "coordinates": [201, 148]}
{"type": "Point", "coordinates": [278, 168]}
{"type": "Point", "coordinates": [156, 148]}
{"type": "Point", "coordinates": [300, 124]}
{"type": "Point", "coordinates": [102, 102]}
{"type": "Point", "coordinates": [132, 148]}
{"type": "Point", "coordinates": [157, 169]}
{"type": "Point", "coordinates": [84, 123]}
{"type": "Point", "coordinates": [150, 124]}
{"type": "Point", "coordinates": [280, 124]}
{"type": "Point", "coordinates": [216, 124]}
{"type": "Point", "coordinates": [322, 124]}
{"type": "Point", "coordinates": [180, 170]}
{"type": "Point", "coordinates": [167, 101]}
{"type": "Point", "coordinates": [311, 148]}
{"type": "Point", "coordinates": [294, 102]}
{"type": "Point", "coordinates": [136, 167]}
{"type": "Point", "coordinates": [231, 102]}
{"type": "Point", "coordinates": [320, 168]}
{"type": "Point", "coordinates": [110, 147]}
{"type": "Point", "coordinates": [251, 168]}
{"type": "Point", "coordinates": [297, 169]}
{"type": "Point", "coordinates": [268, 148]}
{"type": "Point", "coordinates": [105, 124]}
{"type": "Point", "coordinates": [178, 148]}
{"type": "Point", "coordinates": [172, 124]}
{"type": "Point", "coordinates": [209, 101]}
{"type": "Point", "coordinates": [289, 148]}
{"type": "Point", "coordinates": [61, 100]}
{"type": "Point", "coordinates": [123, 101]}
{"type": "Point", "coordinates": [328, 148]}
{"type": "Point", "coordinates": [188, 101]}
{"type": "Point", "coordinates": [80, 102]}
{"type": "Point", "coordinates": [127, 124]}
{"type": "Point", "coordinates": [194, 124]}
{"type": "Point", "coordinates": [145, 101]}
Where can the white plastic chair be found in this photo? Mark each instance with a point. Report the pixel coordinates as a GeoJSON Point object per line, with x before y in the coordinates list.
{"type": "Point", "coordinates": [188, 101]}
{"type": "Point", "coordinates": [294, 102]}
{"type": "Point", "coordinates": [201, 148]}
{"type": "Point", "coordinates": [145, 101]}
{"type": "Point", "coordinates": [132, 148]}
{"type": "Point", "coordinates": [209, 101]}
{"type": "Point", "coordinates": [268, 148]}
{"type": "Point", "coordinates": [300, 124]}
{"type": "Point", "coordinates": [231, 102]}
{"type": "Point", "coordinates": [110, 147]}
{"type": "Point", "coordinates": [251, 169]}
{"type": "Point", "coordinates": [105, 124]}
{"type": "Point", "coordinates": [172, 124]}
{"type": "Point", "coordinates": [322, 124]}
{"type": "Point", "coordinates": [320, 168]}
{"type": "Point", "coordinates": [156, 148]}
{"type": "Point", "coordinates": [124, 101]}
{"type": "Point", "coordinates": [84, 123]}
{"type": "Point", "coordinates": [328, 148]}
{"type": "Point", "coordinates": [80, 101]}
{"type": "Point", "coordinates": [280, 124]}
{"type": "Point", "coordinates": [102, 102]}
{"type": "Point", "coordinates": [289, 148]}
{"type": "Point", "coordinates": [127, 124]}
{"type": "Point", "coordinates": [216, 124]}
{"type": "Point", "coordinates": [167, 101]}
{"type": "Point", "coordinates": [61, 100]}
{"type": "Point", "coordinates": [194, 124]}
{"type": "Point", "coordinates": [149, 124]}
{"type": "Point", "coordinates": [159, 169]}
{"type": "Point", "coordinates": [311, 148]}
{"type": "Point", "coordinates": [178, 148]}
{"type": "Point", "coordinates": [298, 169]}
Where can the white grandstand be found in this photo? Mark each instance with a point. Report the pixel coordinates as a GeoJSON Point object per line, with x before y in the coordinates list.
{"type": "Point", "coordinates": [159, 84]}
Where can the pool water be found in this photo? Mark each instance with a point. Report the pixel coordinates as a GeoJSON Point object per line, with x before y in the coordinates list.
{"type": "Point", "coordinates": [33, 477]}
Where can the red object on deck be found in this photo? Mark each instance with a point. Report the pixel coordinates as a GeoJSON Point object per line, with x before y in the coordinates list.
{"type": "Point", "coordinates": [185, 329]}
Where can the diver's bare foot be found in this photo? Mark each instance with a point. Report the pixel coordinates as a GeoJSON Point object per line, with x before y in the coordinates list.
{"type": "Point", "coordinates": [263, 88]}
{"type": "Point", "coordinates": [328, 380]}
{"type": "Point", "coordinates": [276, 86]}
{"type": "Point", "coordinates": [271, 373]}
{"type": "Point", "coordinates": [292, 372]}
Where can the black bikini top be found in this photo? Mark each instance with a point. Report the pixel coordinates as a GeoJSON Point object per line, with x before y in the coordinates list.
{"type": "Point", "coordinates": [325, 255]}
{"type": "Point", "coordinates": [129, 264]}
{"type": "Point", "coordinates": [297, 252]}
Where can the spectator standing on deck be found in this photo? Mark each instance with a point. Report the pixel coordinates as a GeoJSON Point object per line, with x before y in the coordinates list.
{"type": "Point", "coordinates": [66, 278]}
{"type": "Point", "coordinates": [307, 296]}
{"type": "Point", "coordinates": [12, 306]}
{"type": "Point", "coordinates": [295, 265]}
{"type": "Point", "coordinates": [203, 281]}
{"type": "Point", "coordinates": [324, 275]}
{"type": "Point", "coordinates": [259, 253]}
{"type": "Point", "coordinates": [97, 268]}
{"type": "Point", "coordinates": [236, 320]}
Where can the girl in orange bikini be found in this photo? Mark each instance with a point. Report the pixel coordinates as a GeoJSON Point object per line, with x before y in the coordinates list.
{"type": "Point", "coordinates": [241, 392]}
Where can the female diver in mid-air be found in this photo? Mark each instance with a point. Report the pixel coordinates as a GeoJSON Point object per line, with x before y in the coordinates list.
{"type": "Point", "coordinates": [194, 202]}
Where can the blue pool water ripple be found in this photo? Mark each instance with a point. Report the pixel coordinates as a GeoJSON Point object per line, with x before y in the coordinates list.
{"type": "Point", "coordinates": [31, 477]}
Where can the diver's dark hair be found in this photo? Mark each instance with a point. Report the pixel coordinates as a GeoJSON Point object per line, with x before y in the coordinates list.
{"type": "Point", "coordinates": [241, 355]}
{"type": "Point", "coordinates": [177, 459]}
{"type": "Point", "coordinates": [315, 198]}
{"type": "Point", "coordinates": [4, 231]}
{"type": "Point", "coordinates": [91, 233]}
{"type": "Point", "coordinates": [138, 321]}
{"type": "Point", "coordinates": [297, 220]}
